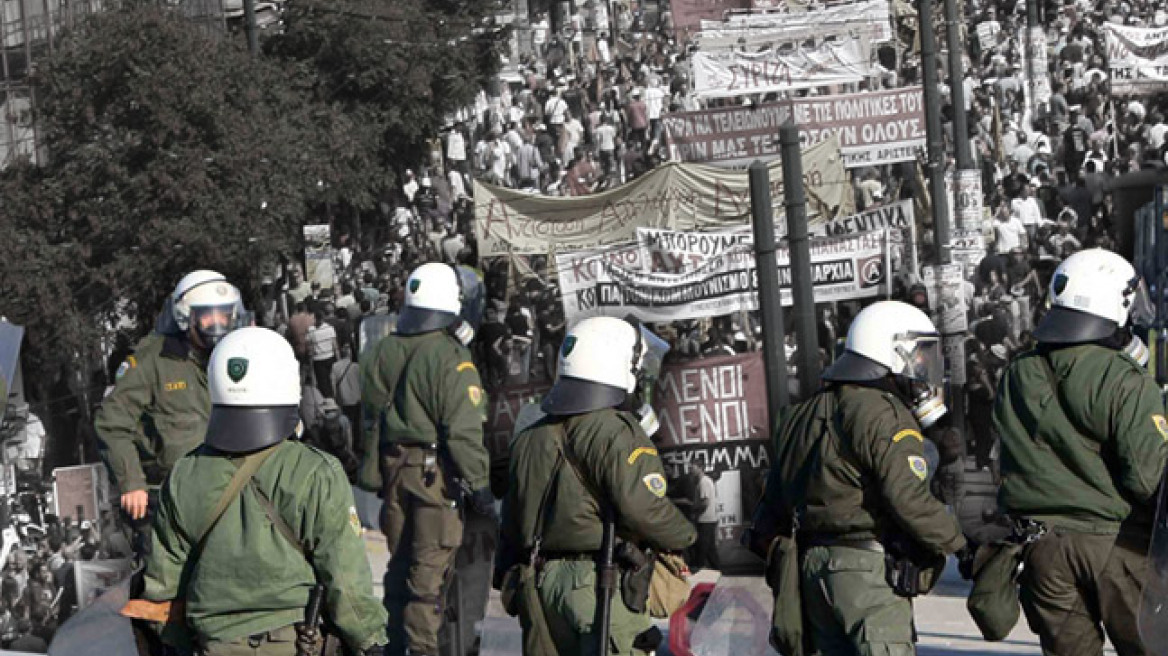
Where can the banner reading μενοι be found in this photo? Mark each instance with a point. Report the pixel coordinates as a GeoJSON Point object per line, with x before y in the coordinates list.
{"type": "Point", "coordinates": [733, 73]}
{"type": "Point", "coordinates": [842, 267]}
{"type": "Point", "coordinates": [674, 195]}
{"type": "Point", "coordinates": [1137, 58]}
{"type": "Point", "coordinates": [873, 128]}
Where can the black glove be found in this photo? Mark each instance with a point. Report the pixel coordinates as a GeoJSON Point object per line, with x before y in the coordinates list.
{"type": "Point", "coordinates": [482, 502]}
{"type": "Point", "coordinates": [965, 559]}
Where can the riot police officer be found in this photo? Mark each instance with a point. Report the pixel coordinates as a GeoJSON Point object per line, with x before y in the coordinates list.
{"type": "Point", "coordinates": [159, 406]}
{"type": "Point", "coordinates": [589, 459]}
{"type": "Point", "coordinates": [850, 481]}
{"type": "Point", "coordinates": [250, 521]}
{"type": "Point", "coordinates": [434, 462]}
{"type": "Point", "coordinates": [1083, 448]}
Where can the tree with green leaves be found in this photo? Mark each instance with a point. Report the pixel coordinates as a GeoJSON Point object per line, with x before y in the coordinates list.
{"type": "Point", "coordinates": [167, 150]}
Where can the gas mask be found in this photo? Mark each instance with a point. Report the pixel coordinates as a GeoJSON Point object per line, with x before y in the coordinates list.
{"type": "Point", "coordinates": [924, 374]}
{"type": "Point", "coordinates": [648, 354]}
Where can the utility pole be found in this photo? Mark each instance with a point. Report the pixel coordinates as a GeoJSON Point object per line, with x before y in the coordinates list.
{"type": "Point", "coordinates": [935, 139]}
{"type": "Point", "coordinates": [802, 295]}
{"type": "Point", "coordinates": [770, 302]}
{"type": "Point", "coordinates": [253, 36]}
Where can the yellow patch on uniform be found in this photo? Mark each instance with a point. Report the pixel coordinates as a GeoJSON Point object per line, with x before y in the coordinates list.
{"type": "Point", "coordinates": [1161, 425]}
{"type": "Point", "coordinates": [639, 450]}
{"type": "Point", "coordinates": [908, 432]}
{"type": "Point", "coordinates": [175, 386]}
{"type": "Point", "coordinates": [476, 394]}
{"type": "Point", "coordinates": [354, 521]}
{"type": "Point", "coordinates": [656, 484]}
{"type": "Point", "coordinates": [466, 366]}
{"type": "Point", "coordinates": [919, 467]}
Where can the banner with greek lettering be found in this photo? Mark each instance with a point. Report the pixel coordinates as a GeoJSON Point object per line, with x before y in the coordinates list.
{"type": "Point", "coordinates": [727, 73]}
{"type": "Point", "coordinates": [665, 251]}
{"type": "Point", "coordinates": [870, 14]}
{"type": "Point", "coordinates": [1138, 59]}
{"type": "Point", "coordinates": [842, 268]}
{"type": "Point", "coordinates": [675, 195]}
{"type": "Point", "coordinates": [873, 128]}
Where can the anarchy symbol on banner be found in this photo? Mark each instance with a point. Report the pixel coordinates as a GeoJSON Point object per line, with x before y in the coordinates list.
{"type": "Point", "coordinates": [872, 272]}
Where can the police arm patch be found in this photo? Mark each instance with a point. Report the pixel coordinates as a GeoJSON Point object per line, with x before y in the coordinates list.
{"type": "Point", "coordinates": [1161, 425]}
{"type": "Point", "coordinates": [919, 467]}
{"type": "Point", "coordinates": [354, 520]}
{"type": "Point", "coordinates": [908, 432]}
{"type": "Point", "coordinates": [641, 450]}
{"type": "Point", "coordinates": [129, 363]}
{"type": "Point", "coordinates": [476, 394]}
{"type": "Point", "coordinates": [656, 484]}
{"type": "Point", "coordinates": [466, 366]}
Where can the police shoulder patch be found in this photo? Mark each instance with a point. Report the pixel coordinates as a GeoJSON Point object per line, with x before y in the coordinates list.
{"type": "Point", "coordinates": [475, 393]}
{"type": "Point", "coordinates": [656, 484]}
{"type": "Point", "coordinates": [1161, 425]}
{"type": "Point", "coordinates": [122, 369]}
{"type": "Point", "coordinates": [918, 466]}
{"type": "Point", "coordinates": [908, 432]}
{"type": "Point", "coordinates": [355, 520]}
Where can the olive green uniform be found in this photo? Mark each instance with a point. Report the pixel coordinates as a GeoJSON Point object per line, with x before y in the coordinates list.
{"type": "Point", "coordinates": [606, 454]}
{"type": "Point", "coordinates": [250, 583]}
{"type": "Point", "coordinates": [432, 433]}
{"type": "Point", "coordinates": [1083, 449]}
{"type": "Point", "coordinates": [157, 412]}
{"type": "Point", "coordinates": [850, 465]}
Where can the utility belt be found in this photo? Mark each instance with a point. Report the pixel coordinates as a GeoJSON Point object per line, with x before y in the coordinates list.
{"type": "Point", "coordinates": [634, 564]}
{"type": "Point", "coordinates": [808, 540]}
{"type": "Point", "coordinates": [908, 569]}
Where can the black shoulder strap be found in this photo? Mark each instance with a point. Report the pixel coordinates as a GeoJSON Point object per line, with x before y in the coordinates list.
{"type": "Point", "coordinates": [1056, 386]}
{"type": "Point", "coordinates": [542, 510]}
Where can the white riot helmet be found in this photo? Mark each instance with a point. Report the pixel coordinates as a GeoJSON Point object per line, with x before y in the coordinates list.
{"type": "Point", "coordinates": [1093, 293]}
{"type": "Point", "coordinates": [602, 362]}
{"type": "Point", "coordinates": [254, 379]}
{"type": "Point", "coordinates": [890, 337]}
{"type": "Point", "coordinates": [433, 299]}
{"type": "Point", "coordinates": [205, 302]}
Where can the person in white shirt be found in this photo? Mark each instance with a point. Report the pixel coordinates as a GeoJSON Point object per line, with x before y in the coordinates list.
{"type": "Point", "coordinates": [456, 149]}
{"type": "Point", "coordinates": [654, 104]}
{"type": "Point", "coordinates": [1009, 231]}
{"type": "Point", "coordinates": [1026, 207]}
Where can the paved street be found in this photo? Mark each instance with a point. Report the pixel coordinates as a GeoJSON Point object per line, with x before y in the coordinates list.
{"type": "Point", "coordinates": [943, 625]}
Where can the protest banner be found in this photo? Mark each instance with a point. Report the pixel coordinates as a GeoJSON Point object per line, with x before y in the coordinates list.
{"type": "Point", "coordinates": [674, 195]}
{"type": "Point", "coordinates": [318, 255]}
{"type": "Point", "coordinates": [728, 73]}
{"type": "Point", "coordinates": [711, 401]}
{"type": "Point", "coordinates": [80, 492]}
{"type": "Point", "coordinates": [713, 416]}
{"type": "Point", "coordinates": [1137, 58]}
{"type": "Point", "coordinates": [897, 218]}
{"type": "Point", "coordinates": [873, 128]}
{"type": "Point", "coordinates": [869, 14]}
{"type": "Point", "coordinates": [987, 33]}
{"type": "Point", "coordinates": [842, 267]}
{"type": "Point", "coordinates": [689, 14]}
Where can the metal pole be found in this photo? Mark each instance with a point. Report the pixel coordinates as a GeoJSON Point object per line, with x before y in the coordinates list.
{"type": "Point", "coordinates": [971, 185]}
{"type": "Point", "coordinates": [802, 296]}
{"type": "Point", "coordinates": [253, 37]}
{"type": "Point", "coordinates": [954, 16]}
{"type": "Point", "coordinates": [770, 302]}
{"type": "Point", "coordinates": [1031, 23]}
{"type": "Point", "coordinates": [935, 166]}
